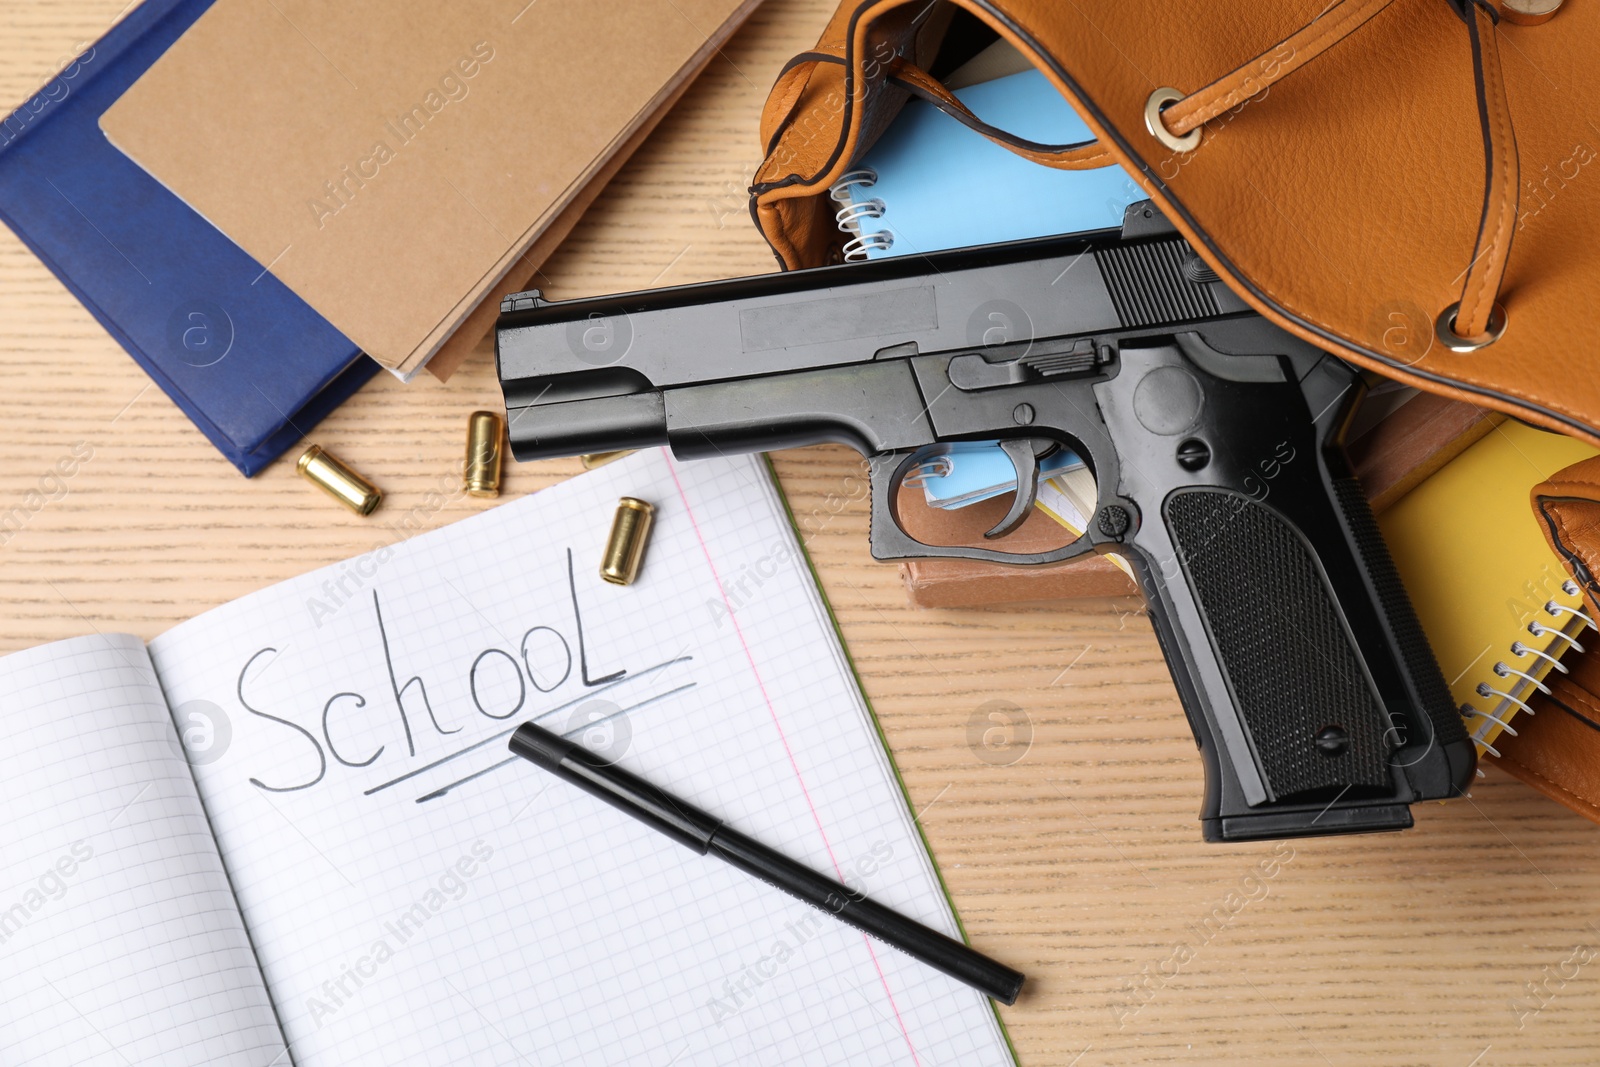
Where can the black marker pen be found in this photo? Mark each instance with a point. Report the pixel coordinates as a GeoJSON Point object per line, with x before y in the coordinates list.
{"type": "Point", "coordinates": [703, 833]}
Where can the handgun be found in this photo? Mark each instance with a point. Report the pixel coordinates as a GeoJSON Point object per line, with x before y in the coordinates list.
{"type": "Point", "coordinates": [1215, 440]}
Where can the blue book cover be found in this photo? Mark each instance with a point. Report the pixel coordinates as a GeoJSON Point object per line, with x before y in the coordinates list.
{"type": "Point", "coordinates": [941, 185]}
{"type": "Point", "coordinates": [245, 358]}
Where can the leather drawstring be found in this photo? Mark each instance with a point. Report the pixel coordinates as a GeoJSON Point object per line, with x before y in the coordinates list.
{"type": "Point", "coordinates": [1475, 320]}
{"type": "Point", "coordinates": [1474, 317]}
{"type": "Point", "coordinates": [1085, 155]}
{"type": "Point", "coordinates": [1289, 54]}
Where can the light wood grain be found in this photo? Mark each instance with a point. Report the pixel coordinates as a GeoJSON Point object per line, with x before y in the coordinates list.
{"type": "Point", "coordinates": [1080, 863]}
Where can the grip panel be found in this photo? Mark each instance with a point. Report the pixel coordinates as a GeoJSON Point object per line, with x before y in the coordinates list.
{"type": "Point", "coordinates": [1282, 642]}
{"type": "Point", "coordinates": [1416, 655]}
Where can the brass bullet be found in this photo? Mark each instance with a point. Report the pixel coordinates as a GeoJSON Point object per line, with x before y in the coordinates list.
{"type": "Point", "coordinates": [486, 432]}
{"type": "Point", "coordinates": [600, 459]}
{"type": "Point", "coordinates": [630, 531]}
{"type": "Point", "coordinates": [324, 470]}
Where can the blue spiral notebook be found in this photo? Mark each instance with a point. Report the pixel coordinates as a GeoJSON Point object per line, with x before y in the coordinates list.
{"type": "Point", "coordinates": [931, 183]}
{"type": "Point", "coordinates": [245, 358]}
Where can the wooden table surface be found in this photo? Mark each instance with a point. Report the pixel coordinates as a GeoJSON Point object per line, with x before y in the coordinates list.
{"type": "Point", "coordinates": [1464, 941]}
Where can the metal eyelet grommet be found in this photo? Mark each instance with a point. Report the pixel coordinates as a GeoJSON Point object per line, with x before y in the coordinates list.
{"type": "Point", "coordinates": [1445, 328]}
{"type": "Point", "coordinates": [1529, 12]}
{"type": "Point", "coordinates": [1158, 102]}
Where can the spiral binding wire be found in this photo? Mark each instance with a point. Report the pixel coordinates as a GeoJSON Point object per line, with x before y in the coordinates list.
{"type": "Point", "coordinates": [1485, 690]}
{"type": "Point", "coordinates": [858, 247]}
{"type": "Point", "coordinates": [850, 216]}
{"type": "Point", "coordinates": [933, 467]}
{"type": "Point", "coordinates": [1505, 672]}
{"type": "Point", "coordinates": [865, 177]}
{"type": "Point", "coordinates": [1521, 651]}
{"type": "Point", "coordinates": [1539, 629]}
{"type": "Point", "coordinates": [1556, 609]}
{"type": "Point", "coordinates": [1518, 649]}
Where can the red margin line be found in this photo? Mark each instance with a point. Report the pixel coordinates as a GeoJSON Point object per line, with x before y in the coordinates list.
{"type": "Point", "coordinates": [672, 469]}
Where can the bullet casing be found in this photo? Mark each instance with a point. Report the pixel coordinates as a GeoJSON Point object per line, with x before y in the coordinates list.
{"type": "Point", "coordinates": [486, 433]}
{"type": "Point", "coordinates": [630, 532]}
{"type": "Point", "coordinates": [324, 470]}
{"type": "Point", "coordinates": [594, 460]}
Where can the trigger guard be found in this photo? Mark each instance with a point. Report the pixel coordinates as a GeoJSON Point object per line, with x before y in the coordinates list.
{"type": "Point", "coordinates": [890, 542]}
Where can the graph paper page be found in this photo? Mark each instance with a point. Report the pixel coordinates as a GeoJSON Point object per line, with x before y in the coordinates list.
{"type": "Point", "coordinates": [418, 896]}
{"type": "Point", "coordinates": [119, 938]}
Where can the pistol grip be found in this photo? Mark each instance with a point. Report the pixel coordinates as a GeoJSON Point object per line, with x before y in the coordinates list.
{"type": "Point", "coordinates": [1274, 626]}
{"type": "Point", "coordinates": [1299, 721]}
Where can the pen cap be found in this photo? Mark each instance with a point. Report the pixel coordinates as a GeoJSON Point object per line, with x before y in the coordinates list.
{"type": "Point", "coordinates": [543, 747]}
{"type": "Point", "coordinates": [685, 824]}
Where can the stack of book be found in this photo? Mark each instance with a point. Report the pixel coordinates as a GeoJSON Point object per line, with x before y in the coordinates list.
{"type": "Point", "coordinates": [251, 198]}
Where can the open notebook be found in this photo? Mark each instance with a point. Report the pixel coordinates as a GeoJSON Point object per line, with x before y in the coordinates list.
{"type": "Point", "coordinates": [340, 857]}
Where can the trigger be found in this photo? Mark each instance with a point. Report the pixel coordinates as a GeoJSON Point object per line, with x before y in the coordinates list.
{"type": "Point", "coordinates": [1024, 453]}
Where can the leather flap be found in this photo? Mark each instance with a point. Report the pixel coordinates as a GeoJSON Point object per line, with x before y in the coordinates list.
{"type": "Point", "coordinates": [1568, 506]}
{"type": "Point", "coordinates": [1344, 202]}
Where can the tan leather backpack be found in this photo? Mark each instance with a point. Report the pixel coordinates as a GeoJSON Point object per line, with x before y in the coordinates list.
{"type": "Point", "coordinates": [1411, 184]}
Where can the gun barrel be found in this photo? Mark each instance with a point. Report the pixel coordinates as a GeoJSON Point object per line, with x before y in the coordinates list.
{"type": "Point", "coordinates": [625, 371]}
{"type": "Point", "coordinates": [599, 424]}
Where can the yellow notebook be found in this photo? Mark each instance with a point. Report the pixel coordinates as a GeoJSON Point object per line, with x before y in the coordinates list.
{"type": "Point", "coordinates": [1495, 601]}
{"type": "Point", "coordinates": [1070, 496]}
